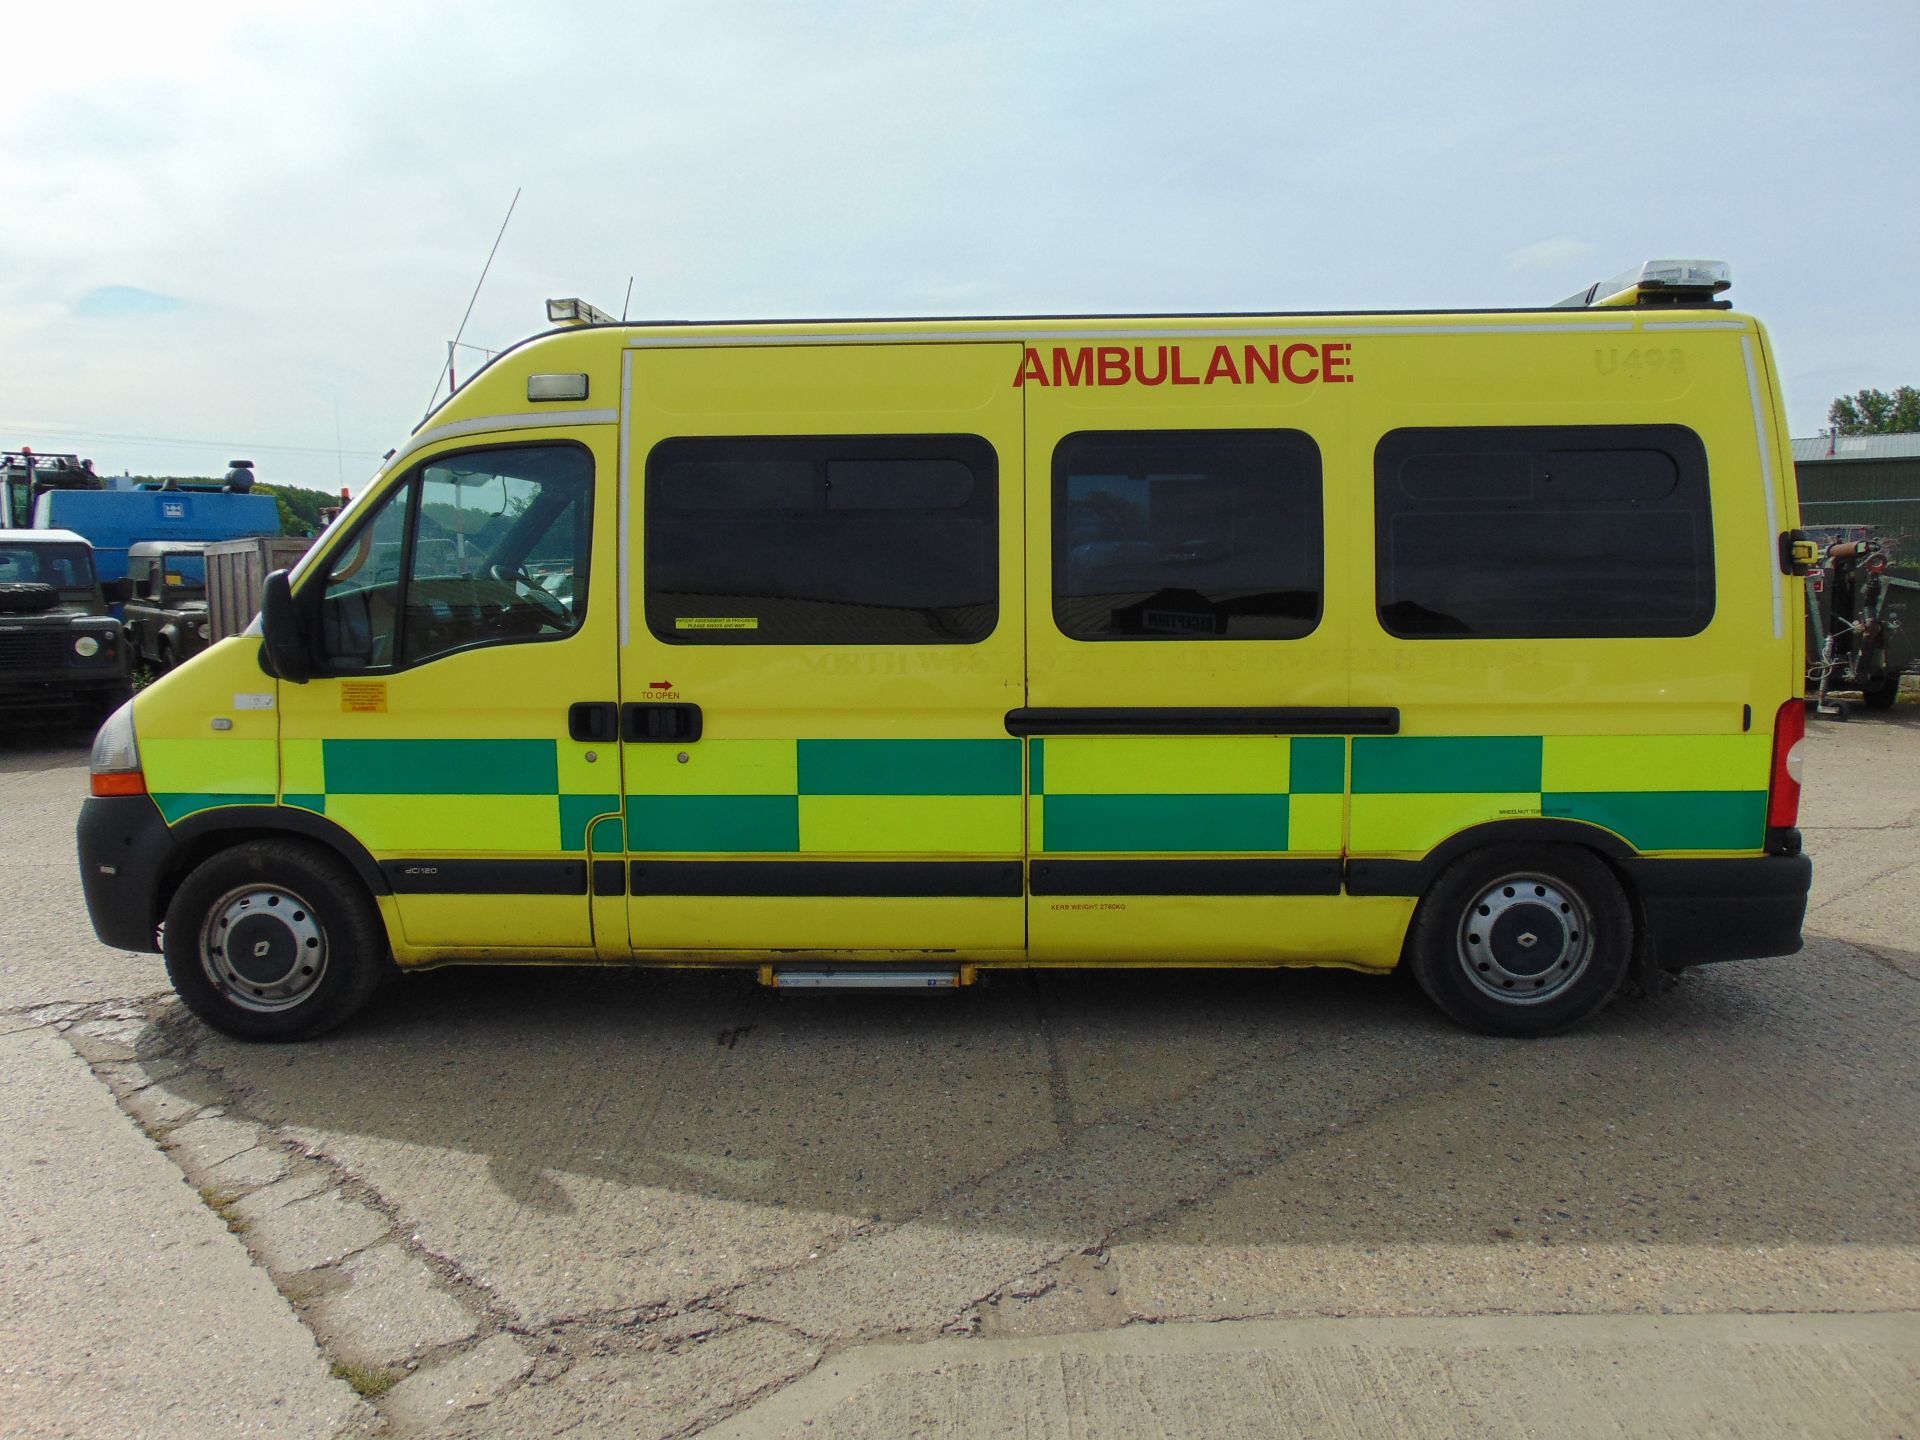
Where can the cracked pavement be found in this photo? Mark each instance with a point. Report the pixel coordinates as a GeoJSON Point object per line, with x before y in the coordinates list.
{"type": "Point", "coordinates": [599, 1202]}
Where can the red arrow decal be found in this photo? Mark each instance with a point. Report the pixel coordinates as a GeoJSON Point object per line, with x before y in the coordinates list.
{"type": "Point", "coordinates": [660, 685]}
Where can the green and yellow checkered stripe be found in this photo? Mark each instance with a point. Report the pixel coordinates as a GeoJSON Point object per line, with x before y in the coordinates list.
{"type": "Point", "coordinates": [929, 797]}
{"type": "Point", "coordinates": [433, 796]}
{"type": "Point", "coordinates": [1657, 792]}
{"type": "Point", "coordinates": [1221, 794]}
{"type": "Point", "coordinates": [1091, 794]}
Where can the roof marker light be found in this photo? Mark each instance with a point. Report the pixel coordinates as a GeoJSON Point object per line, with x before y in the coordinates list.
{"type": "Point", "coordinates": [557, 386]}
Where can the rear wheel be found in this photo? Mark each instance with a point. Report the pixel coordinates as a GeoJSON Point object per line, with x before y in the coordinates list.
{"type": "Point", "coordinates": [274, 940]}
{"type": "Point", "coordinates": [1882, 695]}
{"type": "Point", "coordinates": [1523, 939]}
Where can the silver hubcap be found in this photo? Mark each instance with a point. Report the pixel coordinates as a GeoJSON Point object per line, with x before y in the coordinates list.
{"type": "Point", "coordinates": [1525, 939]}
{"type": "Point", "coordinates": [263, 948]}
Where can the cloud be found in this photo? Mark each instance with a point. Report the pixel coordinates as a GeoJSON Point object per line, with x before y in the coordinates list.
{"type": "Point", "coordinates": [1559, 253]}
{"type": "Point", "coordinates": [124, 302]}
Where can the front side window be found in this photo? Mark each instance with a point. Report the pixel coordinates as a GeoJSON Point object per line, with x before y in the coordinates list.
{"type": "Point", "coordinates": [1187, 535]}
{"type": "Point", "coordinates": [1543, 532]}
{"type": "Point", "coordinates": [822, 540]}
{"type": "Point", "coordinates": [487, 547]}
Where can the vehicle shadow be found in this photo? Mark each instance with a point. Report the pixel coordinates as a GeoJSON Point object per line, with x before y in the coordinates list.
{"type": "Point", "coordinates": [1085, 1102]}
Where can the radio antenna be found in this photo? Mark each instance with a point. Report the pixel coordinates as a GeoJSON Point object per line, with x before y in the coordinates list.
{"type": "Point", "coordinates": [470, 304]}
{"type": "Point", "coordinates": [626, 302]}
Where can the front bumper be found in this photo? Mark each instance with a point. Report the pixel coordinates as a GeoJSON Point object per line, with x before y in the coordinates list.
{"type": "Point", "coordinates": [125, 849]}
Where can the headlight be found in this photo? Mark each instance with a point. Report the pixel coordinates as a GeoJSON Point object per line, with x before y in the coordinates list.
{"type": "Point", "coordinates": [86, 647]}
{"type": "Point", "coordinates": [204, 631]}
{"type": "Point", "coordinates": [115, 751]}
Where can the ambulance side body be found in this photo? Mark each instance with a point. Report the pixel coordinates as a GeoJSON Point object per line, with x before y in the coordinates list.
{"type": "Point", "coordinates": [996, 762]}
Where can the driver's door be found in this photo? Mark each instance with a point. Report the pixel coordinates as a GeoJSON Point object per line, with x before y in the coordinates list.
{"type": "Point", "coordinates": [454, 627]}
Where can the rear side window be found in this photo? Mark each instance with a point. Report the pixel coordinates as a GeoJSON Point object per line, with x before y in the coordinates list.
{"type": "Point", "coordinates": [1543, 532]}
{"type": "Point", "coordinates": [822, 540]}
{"type": "Point", "coordinates": [1187, 535]}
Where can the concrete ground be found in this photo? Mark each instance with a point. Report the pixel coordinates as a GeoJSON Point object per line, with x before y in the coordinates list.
{"type": "Point", "coordinates": [600, 1203]}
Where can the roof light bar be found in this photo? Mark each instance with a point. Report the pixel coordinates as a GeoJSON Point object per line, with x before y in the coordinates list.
{"type": "Point", "coordinates": [576, 312]}
{"type": "Point", "coordinates": [1658, 282]}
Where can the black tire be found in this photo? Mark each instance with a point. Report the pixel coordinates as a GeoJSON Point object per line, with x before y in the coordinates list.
{"type": "Point", "coordinates": [1881, 696]}
{"type": "Point", "coordinates": [315, 948]}
{"type": "Point", "coordinates": [25, 597]}
{"type": "Point", "coordinates": [1523, 940]}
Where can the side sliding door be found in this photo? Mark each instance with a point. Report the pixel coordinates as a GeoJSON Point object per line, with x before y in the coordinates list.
{"type": "Point", "coordinates": [821, 638]}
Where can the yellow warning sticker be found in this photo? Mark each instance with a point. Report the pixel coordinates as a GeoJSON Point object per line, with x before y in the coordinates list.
{"type": "Point", "coordinates": [717, 622]}
{"type": "Point", "coordinates": [363, 697]}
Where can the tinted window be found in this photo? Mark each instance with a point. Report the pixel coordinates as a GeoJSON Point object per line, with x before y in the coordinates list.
{"type": "Point", "coordinates": [1186, 535]}
{"type": "Point", "coordinates": [1543, 532]}
{"type": "Point", "coordinates": [822, 540]}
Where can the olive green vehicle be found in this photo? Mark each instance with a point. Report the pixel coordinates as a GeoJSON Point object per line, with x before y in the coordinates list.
{"type": "Point", "coordinates": [60, 651]}
{"type": "Point", "coordinates": [166, 608]}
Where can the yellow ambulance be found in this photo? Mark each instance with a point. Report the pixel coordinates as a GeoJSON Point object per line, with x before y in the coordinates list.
{"type": "Point", "coordinates": [876, 653]}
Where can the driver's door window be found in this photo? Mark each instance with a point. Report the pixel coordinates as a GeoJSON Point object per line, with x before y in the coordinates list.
{"type": "Point", "coordinates": [486, 547]}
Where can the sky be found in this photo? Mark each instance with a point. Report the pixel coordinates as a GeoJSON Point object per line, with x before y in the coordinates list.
{"type": "Point", "coordinates": [233, 229]}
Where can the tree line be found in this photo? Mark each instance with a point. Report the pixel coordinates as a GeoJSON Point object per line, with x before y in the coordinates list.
{"type": "Point", "coordinates": [1875, 412]}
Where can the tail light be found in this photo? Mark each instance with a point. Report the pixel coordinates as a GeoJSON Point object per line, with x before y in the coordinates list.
{"type": "Point", "coordinates": [1783, 789]}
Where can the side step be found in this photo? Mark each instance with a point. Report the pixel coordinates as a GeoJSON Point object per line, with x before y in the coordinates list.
{"type": "Point", "coordinates": [867, 977]}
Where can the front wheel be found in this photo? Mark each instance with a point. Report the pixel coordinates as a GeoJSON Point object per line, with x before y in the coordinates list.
{"type": "Point", "coordinates": [1523, 939]}
{"type": "Point", "coordinates": [274, 940]}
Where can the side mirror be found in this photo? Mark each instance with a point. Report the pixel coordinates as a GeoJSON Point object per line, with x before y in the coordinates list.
{"type": "Point", "coordinates": [284, 646]}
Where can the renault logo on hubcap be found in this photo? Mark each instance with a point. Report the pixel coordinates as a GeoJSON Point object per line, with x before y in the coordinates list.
{"type": "Point", "coordinates": [1529, 940]}
{"type": "Point", "coordinates": [261, 947]}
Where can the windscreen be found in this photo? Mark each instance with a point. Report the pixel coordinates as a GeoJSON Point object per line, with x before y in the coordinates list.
{"type": "Point", "coordinates": [68, 568]}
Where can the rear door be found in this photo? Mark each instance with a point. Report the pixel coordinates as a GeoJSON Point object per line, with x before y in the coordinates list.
{"type": "Point", "coordinates": [821, 641]}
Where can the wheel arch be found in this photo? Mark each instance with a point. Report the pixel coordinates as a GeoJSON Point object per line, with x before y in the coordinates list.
{"type": "Point", "coordinates": [1416, 877]}
{"type": "Point", "coordinates": [207, 832]}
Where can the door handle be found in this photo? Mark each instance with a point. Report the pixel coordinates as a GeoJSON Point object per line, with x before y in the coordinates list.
{"type": "Point", "coordinates": [595, 720]}
{"type": "Point", "coordinates": [659, 724]}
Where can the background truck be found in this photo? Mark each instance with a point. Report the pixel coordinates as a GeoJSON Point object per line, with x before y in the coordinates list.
{"type": "Point", "coordinates": [116, 520]}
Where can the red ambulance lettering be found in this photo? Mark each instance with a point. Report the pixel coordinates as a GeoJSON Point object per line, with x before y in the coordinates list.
{"type": "Point", "coordinates": [1265, 359]}
{"type": "Point", "coordinates": [1221, 366]}
{"type": "Point", "coordinates": [1297, 364]}
{"type": "Point", "coordinates": [1077, 371]}
{"type": "Point", "coordinates": [1298, 377]}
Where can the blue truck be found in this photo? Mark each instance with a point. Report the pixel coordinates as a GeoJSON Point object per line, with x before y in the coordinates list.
{"type": "Point", "coordinates": [117, 520]}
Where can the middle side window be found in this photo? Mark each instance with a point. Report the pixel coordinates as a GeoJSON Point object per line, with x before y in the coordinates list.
{"type": "Point", "coordinates": [822, 540]}
{"type": "Point", "coordinates": [1187, 535]}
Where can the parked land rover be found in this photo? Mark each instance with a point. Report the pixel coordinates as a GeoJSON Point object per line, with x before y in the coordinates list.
{"type": "Point", "coordinates": [166, 609]}
{"type": "Point", "coordinates": [60, 651]}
